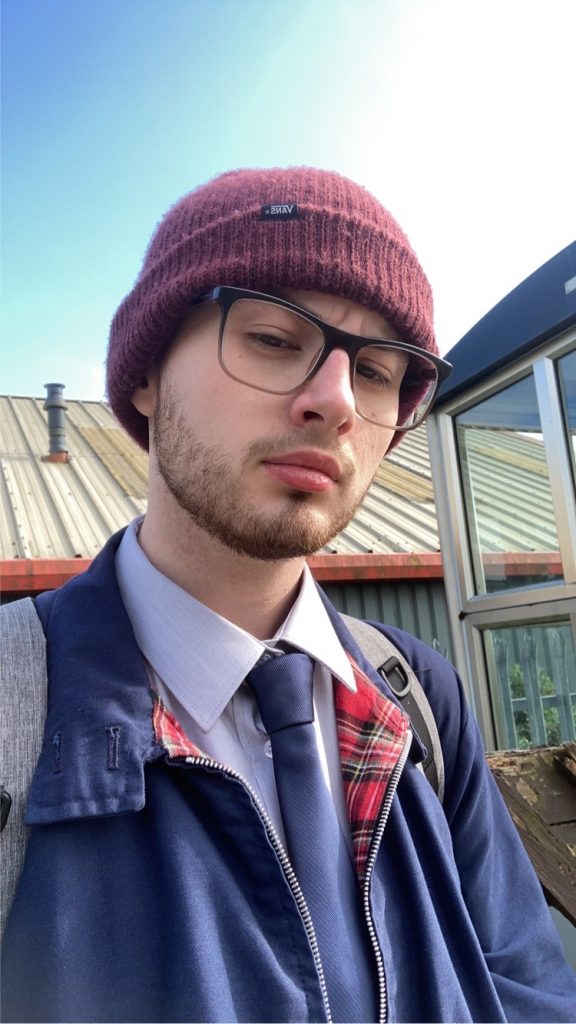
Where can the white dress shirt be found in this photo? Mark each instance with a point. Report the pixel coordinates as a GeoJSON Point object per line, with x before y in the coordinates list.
{"type": "Point", "coordinates": [198, 661]}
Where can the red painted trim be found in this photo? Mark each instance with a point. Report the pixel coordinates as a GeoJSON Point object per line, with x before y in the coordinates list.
{"type": "Point", "coordinates": [33, 575]}
{"type": "Point", "coordinates": [350, 568]}
{"type": "Point", "coordinates": [524, 563]}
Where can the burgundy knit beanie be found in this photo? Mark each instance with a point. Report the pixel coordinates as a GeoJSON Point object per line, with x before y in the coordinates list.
{"type": "Point", "coordinates": [266, 230]}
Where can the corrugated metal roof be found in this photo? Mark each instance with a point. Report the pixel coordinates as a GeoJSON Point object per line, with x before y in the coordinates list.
{"type": "Point", "coordinates": [510, 490]}
{"type": "Point", "coordinates": [67, 510]}
{"type": "Point", "coordinates": [398, 514]}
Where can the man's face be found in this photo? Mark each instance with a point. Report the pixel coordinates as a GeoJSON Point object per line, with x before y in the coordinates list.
{"type": "Point", "coordinates": [271, 476]}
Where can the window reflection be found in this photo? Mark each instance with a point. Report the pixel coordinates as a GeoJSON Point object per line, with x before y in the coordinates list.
{"type": "Point", "coordinates": [532, 673]}
{"type": "Point", "coordinates": [507, 491]}
{"type": "Point", "coordinates": [567, 378]}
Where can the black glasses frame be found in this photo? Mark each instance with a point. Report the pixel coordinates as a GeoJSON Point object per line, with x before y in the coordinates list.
{"type": "Point", "coordinates": [225, 296]}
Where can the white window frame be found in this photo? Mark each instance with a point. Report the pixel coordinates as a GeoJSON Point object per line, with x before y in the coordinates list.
{"type": "Point", "coordinates": [470, 612]}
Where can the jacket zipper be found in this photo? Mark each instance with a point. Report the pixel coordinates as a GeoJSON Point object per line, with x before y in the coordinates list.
{"type": "Point", "coordinates": [207, 762]}
{"type": "Point", "coordinates": [375, 846]}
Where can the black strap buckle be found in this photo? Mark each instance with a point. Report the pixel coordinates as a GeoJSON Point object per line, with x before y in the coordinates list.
{"type": "Point", "coordinates": [394, 673]}
{"type": "Point", "coordinates": [5, 805]}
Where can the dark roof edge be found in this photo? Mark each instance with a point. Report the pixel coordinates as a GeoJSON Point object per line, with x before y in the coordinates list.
{"type": "Point", "coordinates": [535, 311]}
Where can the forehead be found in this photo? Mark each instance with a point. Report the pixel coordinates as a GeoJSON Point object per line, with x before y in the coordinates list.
{"type": "Point", "coordinates": [343, 313]}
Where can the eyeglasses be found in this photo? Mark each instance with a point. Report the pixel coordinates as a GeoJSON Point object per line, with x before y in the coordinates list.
{"type": "Point", "coordinates": [272, 345]}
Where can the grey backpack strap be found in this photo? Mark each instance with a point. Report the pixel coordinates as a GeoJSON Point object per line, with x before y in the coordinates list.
{"type": "Point", "coordinates": [24, 694]}
{"type": "Point", "coordinates": [390, 663]}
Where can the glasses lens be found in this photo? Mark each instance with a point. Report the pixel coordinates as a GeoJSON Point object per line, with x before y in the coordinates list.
{"type": "Point", "coordinates": [393, 388]}
{"type": "Point", "coordinates": [267, 346]}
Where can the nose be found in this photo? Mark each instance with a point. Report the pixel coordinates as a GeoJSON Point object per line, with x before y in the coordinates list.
{"type": "Point", "coordinates": [327, 397]}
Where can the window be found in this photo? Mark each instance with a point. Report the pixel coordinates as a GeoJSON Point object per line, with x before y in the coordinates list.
{"type": "Point", "coordinates": [507, 494]}
{"type": "Point", "coordinates": [532, 676]}
{"type": "Point", "coordinates": [505, 486]}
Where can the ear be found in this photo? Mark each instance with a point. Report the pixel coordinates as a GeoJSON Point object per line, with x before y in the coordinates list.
{"type": "Point", "coordinates": [144, 397]}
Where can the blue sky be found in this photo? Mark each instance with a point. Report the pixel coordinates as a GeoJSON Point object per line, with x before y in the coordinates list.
{"type": "Point", "coordinates": [457, 115]}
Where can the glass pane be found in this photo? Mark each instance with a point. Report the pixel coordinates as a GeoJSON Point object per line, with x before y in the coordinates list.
{"type": "Point", "coordinates": [532, 674]}
{"type": "Point", "coordinates": [507, 491]}
{"type": "Point", "coordinates": [567, 377]}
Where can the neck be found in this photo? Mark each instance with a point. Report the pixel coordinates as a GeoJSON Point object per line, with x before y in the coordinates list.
{"type": "Point", "coordinates": [253, 594]}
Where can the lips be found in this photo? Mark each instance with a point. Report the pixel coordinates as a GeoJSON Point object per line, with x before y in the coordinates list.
{"type": "Point", "coordinates": [305, 470]}
{"type": "Point", "coordinates": [320, 461]}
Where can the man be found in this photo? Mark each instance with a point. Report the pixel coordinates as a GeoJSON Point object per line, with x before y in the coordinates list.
{"type": "Point", "coordinates": [207, 844]}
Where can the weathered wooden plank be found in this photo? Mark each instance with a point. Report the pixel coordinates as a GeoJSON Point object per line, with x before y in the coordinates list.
{"type": "Point", "coordinates": [538, 788]}
{"type": "Point", "coordinates": [565, 760]}
{"type": "Point", "coordinates": [535, 775]}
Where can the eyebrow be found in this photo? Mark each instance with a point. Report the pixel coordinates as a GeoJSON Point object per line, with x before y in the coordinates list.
{"type": "Point", "coordinates": [281, 294]}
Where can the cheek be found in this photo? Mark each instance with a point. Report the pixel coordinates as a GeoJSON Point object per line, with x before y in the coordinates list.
{"type": "Point", "coordinates": [373, 450]}
{"type": "Point", "coordinates": [221, 411]}
{"type": "Point", "coordinates": [196, 382]}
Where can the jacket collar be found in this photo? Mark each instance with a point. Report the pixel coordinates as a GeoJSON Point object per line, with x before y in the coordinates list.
{"type": "Point", "coordinates": [99, 730]}
{"type": "Point", "coordinates": [98, 733]}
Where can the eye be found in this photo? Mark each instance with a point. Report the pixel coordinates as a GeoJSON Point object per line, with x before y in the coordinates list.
{"type": "Point", "coordinates": [272, 342]}
{"type": "Point", "coordinates": [373, 373]}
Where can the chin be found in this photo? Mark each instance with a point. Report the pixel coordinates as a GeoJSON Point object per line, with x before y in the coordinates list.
{"type": "Point", "coordinates": [295, 532]}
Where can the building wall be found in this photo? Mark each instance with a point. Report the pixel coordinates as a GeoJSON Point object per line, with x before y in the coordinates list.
{"type": "Point", "coordinates": [418, 606]}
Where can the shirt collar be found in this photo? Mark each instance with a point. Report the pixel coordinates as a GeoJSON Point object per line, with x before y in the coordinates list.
{"type": "Point", "coordinates": [308, 627]}
{"type": "Point", "coordinates": [201, 656]}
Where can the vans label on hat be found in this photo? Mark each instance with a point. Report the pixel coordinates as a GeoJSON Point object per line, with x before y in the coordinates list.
{"type": "Point", "coordinates": [280, 211]}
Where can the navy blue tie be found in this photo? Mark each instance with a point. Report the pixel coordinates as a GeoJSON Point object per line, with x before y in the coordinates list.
{"type": "Point", "coordinates": [320, 857]}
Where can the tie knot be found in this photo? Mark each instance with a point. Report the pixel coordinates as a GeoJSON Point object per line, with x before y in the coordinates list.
{"type": "Point", "coordinates": [283, 689]}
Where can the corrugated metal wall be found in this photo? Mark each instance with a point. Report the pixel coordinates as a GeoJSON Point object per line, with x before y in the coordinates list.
{"type": "Point", "coordinates": [417, 606]}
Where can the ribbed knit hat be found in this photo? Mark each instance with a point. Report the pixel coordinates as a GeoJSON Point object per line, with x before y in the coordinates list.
{"type": "Point", "coordinates": [264, 229]}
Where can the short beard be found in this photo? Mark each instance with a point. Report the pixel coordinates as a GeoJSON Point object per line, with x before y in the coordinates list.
{"type": "Point", "coordinates": [200, 480]}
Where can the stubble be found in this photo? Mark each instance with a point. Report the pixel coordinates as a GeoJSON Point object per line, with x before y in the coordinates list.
{"type": "Point", "coordinates": [204, 485]}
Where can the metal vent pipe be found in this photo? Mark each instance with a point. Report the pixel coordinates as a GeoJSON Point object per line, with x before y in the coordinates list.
{"type": "Point", "coordinates": [56, 408]}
